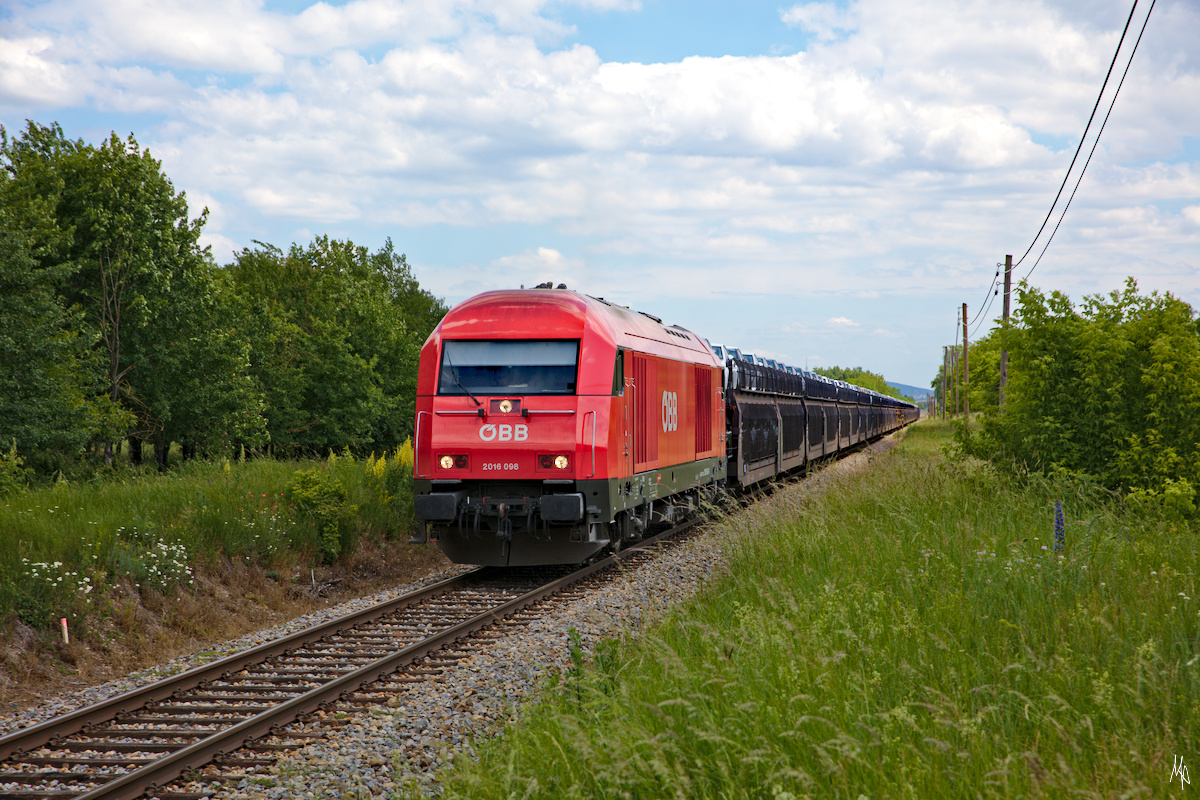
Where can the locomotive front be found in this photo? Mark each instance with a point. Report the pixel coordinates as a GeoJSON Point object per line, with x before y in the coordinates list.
{"type": "Point", "coordinates": [513, 401]}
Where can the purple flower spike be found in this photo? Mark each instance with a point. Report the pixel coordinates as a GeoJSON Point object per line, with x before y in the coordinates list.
{"type": "Point", "coordinates": [1060, 528]}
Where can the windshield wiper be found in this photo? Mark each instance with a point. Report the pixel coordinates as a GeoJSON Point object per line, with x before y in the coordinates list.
{"type": "Point", "coordinates": [454, 374]}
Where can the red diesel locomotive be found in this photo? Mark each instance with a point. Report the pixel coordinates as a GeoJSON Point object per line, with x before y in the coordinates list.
{"type": "Point", "coordinates": [551, 424]}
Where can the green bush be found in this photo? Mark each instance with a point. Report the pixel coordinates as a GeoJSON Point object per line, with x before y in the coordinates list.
{"type": "Point", "coordinates": [320, 499]}
{"type": "Point", "coordinates": [384, 492]}
{"type": "Point", "coordinates": [13, 475]}
{"type": "Point", "coordinates": [1175, 501]}
{"type": "Point", "coordinates": [1110, 389]}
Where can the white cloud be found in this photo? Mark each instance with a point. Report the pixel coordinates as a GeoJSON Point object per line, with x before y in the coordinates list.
{"type": "Point", "coordinates": [541, 264]}
{"type": "Point", "coordinates": [843, 322]}
{"type": "Point", "coordinates": [897, 156]}
{"type": "Point", "coordinates": [290, 202]}
{"type": "Point", "coordinates": [30, 74]}
{"type": "Point", "coordinates": [824, 20]}
{"type": "Point", "coordinates": [223, 248]}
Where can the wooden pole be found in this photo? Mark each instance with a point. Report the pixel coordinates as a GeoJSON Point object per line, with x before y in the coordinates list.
{"type": "Point", "coordinates": [966, 371]}
{"type": "Point", "coordinates": [945, 370]}
{"type": "Point", "coordinates": [956, 383]}
{"type": "Point", "coordinates": [951, 396]}
{"type": "Point", "coordinates": [1004, 328]}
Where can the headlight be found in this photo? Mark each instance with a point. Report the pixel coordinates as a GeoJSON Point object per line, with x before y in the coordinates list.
{"type": "Point", "coordinates": [447, 462]}
{"type": "Point", "coordinates": [561, 462]}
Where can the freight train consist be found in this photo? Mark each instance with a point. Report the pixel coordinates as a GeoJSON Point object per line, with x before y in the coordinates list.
{"type": "Point", "coordinates": [551, 425]}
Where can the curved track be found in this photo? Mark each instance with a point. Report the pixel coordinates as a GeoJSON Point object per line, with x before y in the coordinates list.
{"type": "Point", "coordinates": [144, 740]}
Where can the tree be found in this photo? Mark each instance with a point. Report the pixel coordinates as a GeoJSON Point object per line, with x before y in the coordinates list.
{"type": "Point", "coordinates": [42, 403]}
{"type": "Point", "coordinates": [1111, 389]}
{"type": "Point", "coordinates": [48, 403]}
{"type": "Point", "coordinates": [199, 390]}
{"type": "Point", "coordinates": [132, 240]}
{"type": "Point", "coordinates": [861, 377]}
{"type": "Point", "coordinates": [107, 222]}
{"type": "Point", "coordinates": [335, 342]}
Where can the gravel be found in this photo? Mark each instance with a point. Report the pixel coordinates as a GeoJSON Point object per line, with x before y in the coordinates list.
{"type": "Point", "coordinates": [408, 739]}
{"type": "Point", "coordinates": [67, 703]}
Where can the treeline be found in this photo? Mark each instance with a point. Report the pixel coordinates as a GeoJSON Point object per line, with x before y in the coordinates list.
{"type": "Point", "coordinates": [116, 326]}
{"type": "Point", "coordinates": [861, 377]}
{"type": "Point", "coordinates": [1108, 391]}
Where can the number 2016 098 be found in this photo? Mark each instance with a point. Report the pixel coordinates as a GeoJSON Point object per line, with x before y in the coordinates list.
{"type": "Point", "coordinates": [504, 466]}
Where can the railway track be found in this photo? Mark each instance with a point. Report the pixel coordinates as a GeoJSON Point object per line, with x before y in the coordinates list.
{"type": "Point", "coordinates": [222, 716]}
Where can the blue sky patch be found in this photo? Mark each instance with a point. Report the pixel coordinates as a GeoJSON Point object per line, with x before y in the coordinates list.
{"type": "Point", "coordinates": [665, 31]}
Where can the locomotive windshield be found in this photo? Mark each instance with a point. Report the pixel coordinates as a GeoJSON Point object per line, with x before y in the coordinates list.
{"type": "Point", "coordinates": [508, 367]}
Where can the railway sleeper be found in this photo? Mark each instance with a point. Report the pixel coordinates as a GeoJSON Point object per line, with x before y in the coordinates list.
{"type": "Point", "coordinates": [63, 775]}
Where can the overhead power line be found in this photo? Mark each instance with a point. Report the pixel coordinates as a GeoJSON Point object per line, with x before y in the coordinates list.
{"type": "Point", "coordinates": [984, 317]}
{"type": "Point", "coordinates": [1099, 133]}
{"type": "Point", "coordinates": [995, 278]}
{"type": "Point", "coordinates": [1083, 138]}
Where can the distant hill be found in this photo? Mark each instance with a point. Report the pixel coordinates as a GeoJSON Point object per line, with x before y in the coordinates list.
{"type": "Point", "coordinates": [915, 392]}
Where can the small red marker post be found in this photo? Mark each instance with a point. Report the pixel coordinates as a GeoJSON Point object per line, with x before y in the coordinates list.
{"type": "Point", "coordinates": [66, 636]}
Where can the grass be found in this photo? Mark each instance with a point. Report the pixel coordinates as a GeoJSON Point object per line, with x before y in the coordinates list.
{"type": "Point", "coordinates": [909, 632]}
{"type": "Point", "coordinates": [69, 547]}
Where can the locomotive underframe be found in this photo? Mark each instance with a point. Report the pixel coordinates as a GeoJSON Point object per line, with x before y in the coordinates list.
{"type": "Point", "coordinates": [506, 523]}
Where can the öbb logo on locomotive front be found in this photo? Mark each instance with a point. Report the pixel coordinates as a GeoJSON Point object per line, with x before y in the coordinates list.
{"type": "Point", "coordinates": [504, 433]}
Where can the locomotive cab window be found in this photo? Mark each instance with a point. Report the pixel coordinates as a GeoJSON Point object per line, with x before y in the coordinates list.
{"type": "Point", "coordinates": [619, 374]}
{"type": "Point", "coordinates": [508, 367]}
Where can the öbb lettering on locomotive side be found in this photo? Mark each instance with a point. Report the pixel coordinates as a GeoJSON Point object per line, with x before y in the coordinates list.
{"type": "Point", "coordinates": [551, 425]}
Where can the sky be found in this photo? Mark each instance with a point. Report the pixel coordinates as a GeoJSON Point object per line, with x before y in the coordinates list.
{"type": "Point", "coordinates": [820, 182]}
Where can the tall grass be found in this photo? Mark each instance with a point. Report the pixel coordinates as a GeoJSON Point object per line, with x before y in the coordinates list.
{"type": "Point", "coordinates": [63, 547]}
{"type": "Point", "coordinates": [910, 632]}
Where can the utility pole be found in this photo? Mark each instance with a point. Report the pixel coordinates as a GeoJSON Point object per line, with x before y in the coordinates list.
{"type": "Point", "coordinates": [945, 369]}
{"type": "Point", "coordinates": [1004, 328]}
{"type": "Point", "coordinates": [955, 383]}
{"type": "Point", "coordinates": [966, 372]}
{"type": "Point", "coordinates": [951, 398]}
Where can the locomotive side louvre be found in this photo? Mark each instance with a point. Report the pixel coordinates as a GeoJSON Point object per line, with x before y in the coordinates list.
{"type": "Point", "coordinates": [705, 440]}
{"type": "Point", "coordinates": [645, 391]}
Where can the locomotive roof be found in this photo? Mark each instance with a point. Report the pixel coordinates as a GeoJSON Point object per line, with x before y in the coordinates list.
{"type": "Point", "coordinates": [566, 314]}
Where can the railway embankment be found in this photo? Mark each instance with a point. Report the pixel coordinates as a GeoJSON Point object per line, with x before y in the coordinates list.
{"type": "Point", "coordinates": [925, 627]}
{"type": "Point", "coordinates": [146, 567]}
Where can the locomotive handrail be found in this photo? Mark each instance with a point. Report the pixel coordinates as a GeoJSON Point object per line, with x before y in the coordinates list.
{"type": "Point", "coordinates": [476, 413]}
{"type": "Point", "coordinates": [417, 446]}
{"type": "Point", "coordinates": [633, 386]}
{"type": "Point", "coordinates": [593, 413]}
{"type": "Point", "coordinates": [548, 411]}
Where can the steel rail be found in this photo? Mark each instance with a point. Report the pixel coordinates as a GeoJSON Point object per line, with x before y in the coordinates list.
{"type": "Point", "coordinates": [26, 739]}
{"type": "Point", "coordinates": [162, 771]}
{"type": "Point", "coordinates": [134, 784]}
